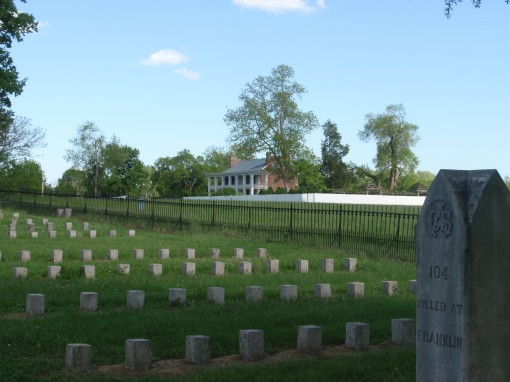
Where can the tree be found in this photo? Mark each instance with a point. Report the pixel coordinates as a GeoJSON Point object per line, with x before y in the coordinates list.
{"type": "Point", "coordinates": [14, 25]}
{"type": "Point", "coordinates": [216, 159]}
{"type": "Point", "coordinates": [124, 172]}
{"type": "Point", "coordinates": [394, 137]}
{"type": "Point", "coordinates": [71, 183]}
{"type": "Point", "coordinates": [270, 121]}
{"type": "Point", "coordinates": [181, 175]}
{"type": "Point", "coordinates": [336, 172]}
{"type": "Point", "coordinates": [448, 5]}
{"type": "Point", "coordinates": [87, 151]}
{"type": "Point", "coordinates": [309, 175]}
{"type": "Point", "coordinates": [23, 176]}
{"type": "Point", "coordinates": [18, 138]}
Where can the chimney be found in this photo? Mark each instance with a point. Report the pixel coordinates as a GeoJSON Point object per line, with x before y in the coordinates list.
{"type": "Point", "coordinates": [234, 161]}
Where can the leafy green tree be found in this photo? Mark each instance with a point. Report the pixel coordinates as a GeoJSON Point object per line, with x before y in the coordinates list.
{"type": "Point", "coordinates": [124, 172]}
{"type": "Point", "coordinates": [394, 137]}
{"type": "Point", "coordinates": [270, 121]}
{"type": "Point", "coordinates": [216, 159]}
{"type": "Point", "coordinates": [310, 178]}
{"type": "Point", "coordinates": [14, 25]}
{"type": "Point", "coordinates": [23, 176]}
{"type": "Point", "coordinates": [448, 5]}
{"type": "Point", "coordinates": [336, 172]}
{"type": "Point", "coordinates": [71, 183]}
{"type": "Point", "coordinates": [181, 175]}
{"type": "Point", "coordinates": [87, 150]}
{"type": "Point", "coordinates": [17, 138]}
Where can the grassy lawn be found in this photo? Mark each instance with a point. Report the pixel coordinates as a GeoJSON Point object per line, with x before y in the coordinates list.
{"type": "Point", "coordinates": [33, 348]}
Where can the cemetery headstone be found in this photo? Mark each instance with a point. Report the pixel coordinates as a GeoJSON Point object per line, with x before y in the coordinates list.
{"type": "Point", "coordinates": [350, 264]}
{"type": "Point", "coordinates": [357, 336]}
{"type": "Point", "coordinates": [245, 267]}
{"type": "Point", "coordinates": [251, 344]}
{"type": "Point", "coordinates": [389, 287]}
{"type": "Point", "coordinates": [189, 253]}
{"type": "Point", "coordinates": [35, 304]}
{"type": "Point", "coordinates": [176, 296]}
{"type": "Point", "coordinates": [218, 268]}
{"type": "Point", "coordinates": [463, 267]}
{"type": "Point", "coordinates": [214, 253]}
{"type": "Point", "coordinates": [135, 299]}
{"type": "Point", "coordinates": [309, 339]}
{"type": "Point", "coordinates": [272, 266]}
{"type": "Point", "coordinates": [261, 253]}
{"type": "Point", "coordinates": [88, 301]}
{"type": "Point", "coordinates": [78, 357]}
{"type": "Point", "coordinates": [216, 295]}
{"type": "Point", "coordinates": [302, 266]}
{"type": "Point", "coordinates": [156, 269]}
{"type": "Point", "coordinates": [86, 255]}
{"type": "Point", "coordinates": [123, 269]}
{"type": "Point", "coordinates": [112, 254]}
{"type": "Point", "coordinates": [138, 254]}
{"type": "Point", "coordinates": [198, 349]}
{"type": "Point", "coordinates": [54, 271]}
{"type": "Point", "coordinates": [403, 331]}
{"type": "Point", "coordinates": [323, 290]}
{"type": "Point", "coordinates": [356, 289]}
{"type": "Point", "coordinates": [164, 253]}
{"type": "Point", "coordinates": [288, 292]}
{"type": "Point", "coordinates": [327, 265]}
{"type": "Point", "coordinates": [188, 269]}
{"type": "Point", "coordinates": [19, 272]}
{"type": "Point", "coordinates": [138, 354]}
{"type": "Point", "coordinates": [238, 253]}
{"type": "Point", "coordinates": [254, 293]}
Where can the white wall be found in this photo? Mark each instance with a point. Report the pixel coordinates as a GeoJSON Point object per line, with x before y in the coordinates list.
{"type": "Point", "coordinates": [326, 198]}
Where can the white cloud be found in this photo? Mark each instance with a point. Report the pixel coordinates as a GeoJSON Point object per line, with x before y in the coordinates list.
{"type": "Point", "coordinates": [189, 74]}
{"type": "Point", "coordinates": [165, 57]}
{"type": "Point", "coordinates": [278, 6]}
{"type": "Point", "coordinates": [43, 24]}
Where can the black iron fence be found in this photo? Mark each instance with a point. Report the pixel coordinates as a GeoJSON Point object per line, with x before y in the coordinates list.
{"type": "Point", "coordinates": [386, 231]}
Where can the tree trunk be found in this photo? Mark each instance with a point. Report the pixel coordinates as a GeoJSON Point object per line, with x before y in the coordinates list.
{"type": "Point", "coordinates": [393, 179]}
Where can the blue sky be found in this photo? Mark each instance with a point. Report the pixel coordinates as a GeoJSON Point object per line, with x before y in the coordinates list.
{"type": "Point", "coordinates": [160, 74]}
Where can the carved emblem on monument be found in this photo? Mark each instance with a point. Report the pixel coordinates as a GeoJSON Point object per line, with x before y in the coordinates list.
{"type": "Point", "coordinates": [439, 222]}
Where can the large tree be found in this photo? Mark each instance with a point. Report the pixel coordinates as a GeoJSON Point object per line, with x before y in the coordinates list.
{"type": "Point", "coordinates": [394, 137]}
{"type": "Point", "coordinates": [333, 151]}
{"type": "Point", "coordinates": [181, 175]}
{"type": "Point", "coordinates": [87, 151]}
{"type": "Point", "coordinates": [448, 5]}
{"type": "Point", "coordinates": [270, 121]}
{"type": "Point", "coordinates": [72, 182]}
{"type": "Point", "coordinates": [24, 176]}
{"type": "Point", "coordinates": [124, 172]}
{"type": "Point", "coordinates": [17, 137]}
{"type": "Point", "coordinates": [14, 25]}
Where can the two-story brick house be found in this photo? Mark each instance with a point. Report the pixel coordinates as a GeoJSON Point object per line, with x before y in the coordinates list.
{"type": "Point", "coordinates": [247, 177]}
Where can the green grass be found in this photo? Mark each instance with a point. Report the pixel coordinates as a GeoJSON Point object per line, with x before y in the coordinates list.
{"type": "Point", "coordinates": [34, 347]}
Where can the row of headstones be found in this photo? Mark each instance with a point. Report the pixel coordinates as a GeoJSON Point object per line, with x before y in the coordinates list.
{"type": "Point", "coordinates": [187, 268]}
{"type": "Point", "coordinates": [52, 233]}
{"type": "Point", "coordinates": [138, 352]}
{"type": "Point", "coordinates": [177, 296]}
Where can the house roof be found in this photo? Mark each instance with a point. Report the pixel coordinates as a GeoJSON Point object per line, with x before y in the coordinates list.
{"type": "Point", "coordinates": [250, 165]}
{"type": "Point", "coordinates": [244, 167]}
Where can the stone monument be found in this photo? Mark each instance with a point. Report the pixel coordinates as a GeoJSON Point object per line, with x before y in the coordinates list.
{"type": "Point", "coordinates": [463, 267]}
